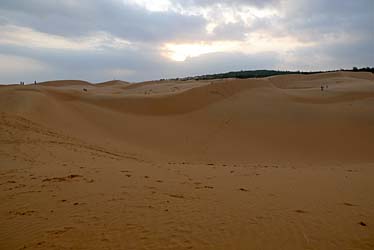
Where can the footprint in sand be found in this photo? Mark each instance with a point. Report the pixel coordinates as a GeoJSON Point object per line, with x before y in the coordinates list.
{"type": "Point", "coordinates": [349, 204]}
{"type": "Point", "coordinates": [61, 179]}
{"type": "Point", "coordinates": [362, 223]}
{"type": "Point", "coordinates": [78, 203]}
{"type": "Point", "coordinates": [59, 231]}
{"type": "Point", "coordinates": [177, 196]}
{"type": "Point", "coordinates": [205, 187]}
{"type": "Point", "coordinates": [28, 212]}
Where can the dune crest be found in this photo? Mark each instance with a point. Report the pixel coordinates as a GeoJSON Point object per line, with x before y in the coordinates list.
{"type": "Point", "coordinates": [111, 83]}
{"type": "Point", "coordinates": [65, 83]}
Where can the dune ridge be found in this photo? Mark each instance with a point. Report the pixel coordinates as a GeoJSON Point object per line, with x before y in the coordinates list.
{"type": "Point", "coordinates": [111, 83]}
{"type": "Point", "coordinates": [64, 83]}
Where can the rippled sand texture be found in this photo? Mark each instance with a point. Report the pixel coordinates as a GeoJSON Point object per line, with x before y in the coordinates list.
{"type": "Point", "coordinates": [271, 163]}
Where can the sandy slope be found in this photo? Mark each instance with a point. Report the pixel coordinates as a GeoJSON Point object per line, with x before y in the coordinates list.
{"type": "Point", "coordinates": [270, 163]}
{"type": "Point", "coordinates": [64, 83]}
{"type": "Point", "coordinates": [111, 83]}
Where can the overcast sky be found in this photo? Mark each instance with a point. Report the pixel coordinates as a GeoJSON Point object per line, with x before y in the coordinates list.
{"type": "Point", "coordinates": [136, 40]}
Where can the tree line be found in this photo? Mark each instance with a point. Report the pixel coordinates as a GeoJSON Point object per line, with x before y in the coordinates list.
{"type": "Point", "coordinates": [245, 74]}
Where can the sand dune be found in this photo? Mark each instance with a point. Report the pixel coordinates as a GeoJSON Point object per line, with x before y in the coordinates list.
{"type": "Point", "coordinates": [111, 83]}
{"type": "Point", "coordinates": [271, 163]}
{"type": "Point", "coordinates": [64, 83]}
{"type": "Point", "coordinates": [182, 102]}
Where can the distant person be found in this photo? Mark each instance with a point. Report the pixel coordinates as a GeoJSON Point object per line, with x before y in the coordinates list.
{"type": "Point", "coordinates": [321, 87]}
{"type": "Point", "coordinates": [35, 82]}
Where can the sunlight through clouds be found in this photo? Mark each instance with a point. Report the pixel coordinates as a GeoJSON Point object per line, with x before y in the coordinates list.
{"type": "Point", "coordinates": [255, 43]}
{"type": "Point", "coordinates": [159, 5]}
{"type": "Point", "coordinates": [180, 52]}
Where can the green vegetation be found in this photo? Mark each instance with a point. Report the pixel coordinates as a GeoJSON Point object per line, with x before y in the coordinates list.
{"type": "Point", "coordinates": [246, 74]}
{"type": "Point", "coordinates": [262, 73]}
{"type": "Point", "coordinates": [367, 69]}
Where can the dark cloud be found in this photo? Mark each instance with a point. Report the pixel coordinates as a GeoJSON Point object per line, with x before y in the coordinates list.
{"type": "Point", "coordinates": [314, 20]}
{"type": "Point", "coordinates": [80, 18]}
{"type": "Point", "coordinates": [330, 55]}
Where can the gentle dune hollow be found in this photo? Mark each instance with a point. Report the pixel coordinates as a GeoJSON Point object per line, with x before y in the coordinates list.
{"type": "Point", "coordinates": [271, 163]}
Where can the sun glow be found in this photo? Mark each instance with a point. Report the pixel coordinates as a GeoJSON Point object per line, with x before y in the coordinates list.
{"type": "Point", "coordinates": [180, 52]}
{"type": "Point", "coordinates": [151, 5]}
{"type": "Point", "coordinates": [253, 44]}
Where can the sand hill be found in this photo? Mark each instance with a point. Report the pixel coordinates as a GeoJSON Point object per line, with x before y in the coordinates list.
{"type": "Point", "coordinates": [64, 83]}
{"type": "Point", "coordinates": [272, 163]}
{"type": "Point", "coordinates": [111, 83]}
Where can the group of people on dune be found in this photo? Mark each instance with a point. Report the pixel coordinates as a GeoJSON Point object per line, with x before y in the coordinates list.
{"type": "Point", "coordinates": [323, 87]}
{"type": "Point", "coordinates": [23, 83]}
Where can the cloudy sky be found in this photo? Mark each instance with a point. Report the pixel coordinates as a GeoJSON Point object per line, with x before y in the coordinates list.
{"type": "Point", "coordinates": [138, 40]}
